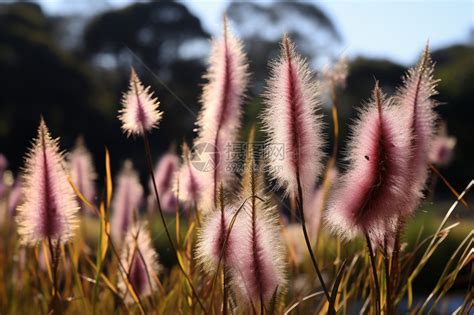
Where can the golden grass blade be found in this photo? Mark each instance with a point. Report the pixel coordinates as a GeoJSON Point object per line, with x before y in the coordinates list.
{"type": "Point", "coordinates": [450, 187]}
{"type": "Point", "coordinates": [108, 178]}
{"type": "Point", "coordinates": [80, 195]}
{"type": "Point", "coordinates": [46, 259]}
{"type": "Point", "coordinates": [445, 283]}
{"type": "Point", "coordinates": [77, 279]}
{"type": "Point", "coordinates": [104, 278]}
{"type": "Point", "coordinates": [439, 236]}
{"type": "Point", "coordinates": [308, 297]}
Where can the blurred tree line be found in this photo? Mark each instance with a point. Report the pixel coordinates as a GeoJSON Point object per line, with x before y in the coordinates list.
{"type": "Point", "coordinates": [73, 70]}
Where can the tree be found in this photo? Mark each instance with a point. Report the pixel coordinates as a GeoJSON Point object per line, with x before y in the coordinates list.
{"type": "Point", "coordinates": [154, 32]}
{"type": "Point", "coordinates": [262, 27]}
{"type": "Point", "coordinates": [39, 78]}
{"type": "Point", "coordinates": [166, 44]}
{"type": "Point", "coordinates": [455, 69]}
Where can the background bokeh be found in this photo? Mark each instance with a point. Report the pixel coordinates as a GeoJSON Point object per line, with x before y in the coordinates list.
{"type": "Point", "coordinates": [70, 60]}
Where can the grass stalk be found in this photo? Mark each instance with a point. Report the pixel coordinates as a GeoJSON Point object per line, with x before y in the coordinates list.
{"type": "Point", "coordinates": [55, 306]}
{"type": "Point", "coordinates": [388, 297]}
{"type": "Point", "coordinates": [163, 221]}
{"type": "Point", "coordinates": [374, 273]}
{"type": "Point", "coordinates": [307, 240]}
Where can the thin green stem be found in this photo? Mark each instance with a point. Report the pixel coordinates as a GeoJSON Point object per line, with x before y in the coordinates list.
{"type": "Point", "coordinates": [306, 238]}
{"type": "Point", "coordinates": [395, 270]}
{"type": "Point", "coordinates": [388, 298]}
{"type": "Point", "coordinates": [225, 290]}
{"type": "Point", "coordinates": [374, 273]}
{"type": "Point", "coordinates": [163, 221]}
{"type": "Point", "coordinates": [55, 307]}
{"type": "Point", "coordinates": [124, 273]}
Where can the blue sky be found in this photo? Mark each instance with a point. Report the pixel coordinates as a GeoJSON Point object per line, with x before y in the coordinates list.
{"type": "Point", "coordinates": [396, 30]}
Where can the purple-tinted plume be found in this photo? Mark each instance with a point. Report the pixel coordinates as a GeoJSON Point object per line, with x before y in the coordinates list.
{"type": "Point", "coordinates": [220, 118]}
{"type": "Point", "coordinates": [259, 252]}
{"type": "Point", "coordinates": [166, 182]}
{"type": "Point", "coordinates": [140, 108]}
{"type": "Point", "coordinates": [15, 198]}
{"type": "Point", "coordinates": [442, 149]}
{"type": "Point", "coordinates": [50, 207]}
{"type": "Point", "coordinates": [189, 186]}
{"type": "Point", "coordinates": [3, 168]}
{"type": "Point", "coordinates": [140, 261]}
{"type": "Point", "coordinates": [291, 122]}
{"type": "Point", "coordinates": [212, 241]}
{"type": "Point", "coordinates": [128, 196]}
{"type": "Point", "coordinates": [372, 192]}
{"type": "Point", "coordinates": [414, 97]}
{"type": "Point", "coordinates": [82, 171]}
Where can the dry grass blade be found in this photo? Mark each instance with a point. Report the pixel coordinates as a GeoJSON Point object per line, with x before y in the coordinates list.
{"type": "Point", "coordinates": [108, 178]}
{"type": "Point", "coordinates": [77, 280]}
{"type": "Point", "coordinates": [450, 187]}
{"type": "Point", "coordinates": [446, 282]}
{"type": "Point", "coordinates": [80, 195]}
{"type": "Point", "coordinates": [308, 297]}
{"type": "Point", "coordinates": [335, 287]}
{"type": "Point", "coordinates": [439, 236]}
{"type": "Point", "coordinates": [231, 225]}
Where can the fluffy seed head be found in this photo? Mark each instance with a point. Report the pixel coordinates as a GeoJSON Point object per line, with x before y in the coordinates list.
{"type": "Point", "coordinates": [336, 76]}
{"type": "Point", "coordinates": [15, 198]}
{"type": "Point", "coordinates": [415, 99]}
{"type": "Point", "coordinates": [220, 118]}
{"type": "Point", "coordinates": [3, 168]}
{"type": "Point", "coordinates": [190, 188]}
{"type": "Point", "coordinates": [370, 195]}
{"type": "Point", "coordinates": [259, 251]}
{"type": "Point", "coordinates": [127, 199]}
{"type": "Point", "coordinates": [82, 171]}
{"type": "Point", "coordinates": [3, 163]}
{"type": "Point", "coordinates": [211, 240]}
{"type": "Point", "coordinates": [50, 207]}
{"type": "Point", "coordinates": [291, 122]}
{"type": "Point", "coordinates": [140, 108]}
{"type": "Point", "coordinates": [166, 181]}
{"type": "Point", "coordinates": [140, 260]}
{"type": "Point", "coordinates": [442, 148]}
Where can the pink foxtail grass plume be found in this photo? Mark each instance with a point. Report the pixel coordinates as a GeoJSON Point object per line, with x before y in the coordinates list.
{"type": "Point", "coordinates": [372, 192]}
{"type": "Point", "coordinates": [3, 168]}
{"type": "Point", "coordinates": [3, 163]}
{"type": "Point", "coordinates": [189, 186]}
{"type": "Point", "coordinates": [140, 112]}
{"type": "Point", "coordinates": [336, 75]}
{"type": "Point", "coordinates": [15, 198]}
{"type": "Point", "coordinates": [216, 241]}
{"type": "Point", "coordinates": [82, 171]}
{"type": "Point", "coordinates": [127, 199]}
{"type": "Point", "coordinates": [220, 118]}
{"type": "Point", "coordinates": [290, 120]}
{"type": "Point", "coordinates": [259, 272]}
{"type": "Point", "coordinates": [415, 99]}
{"type": "Point", "coordinates": [140, 261]}
{"type": "Point", "coordinates": [166, 182]}
{"type": "Point", "coordinates": [139, 115]}
{"type": "Point", "coordinates": [442, 149]}
{"type": "Point", "coordinates": [49, 210]}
